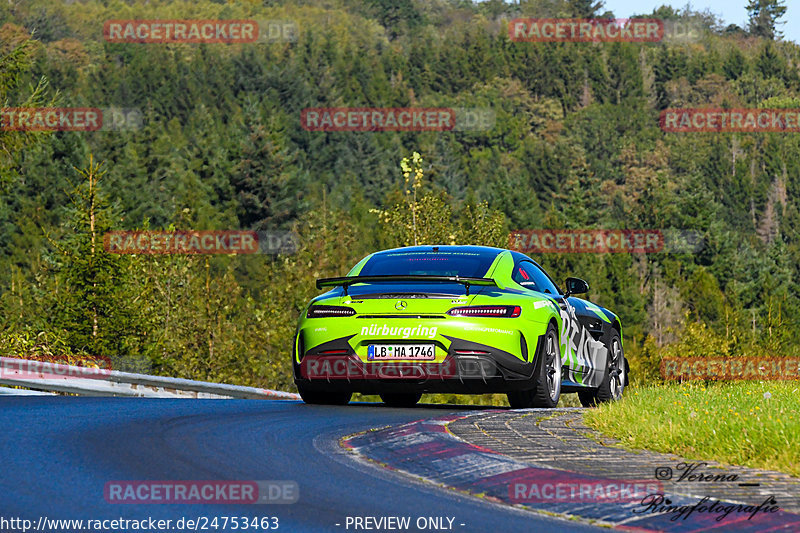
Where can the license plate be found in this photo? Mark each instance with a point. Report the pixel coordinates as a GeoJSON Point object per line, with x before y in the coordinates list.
{"type": "Point", "coordinates": [387, 352]}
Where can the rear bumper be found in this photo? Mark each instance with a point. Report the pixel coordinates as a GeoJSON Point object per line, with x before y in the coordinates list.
{"type": "Point", "coordinates": [468, 368]}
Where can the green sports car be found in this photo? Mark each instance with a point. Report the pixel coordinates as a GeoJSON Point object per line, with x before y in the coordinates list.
{"type": "Point", "coordinates": [457, 319]}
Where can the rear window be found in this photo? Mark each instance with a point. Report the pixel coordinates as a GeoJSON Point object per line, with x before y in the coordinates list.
{"type": "Point", "coordinates": [463, 264]}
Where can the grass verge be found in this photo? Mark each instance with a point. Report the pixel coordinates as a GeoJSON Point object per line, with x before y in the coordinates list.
{"type": "Point", "coordinates": [755, 424]}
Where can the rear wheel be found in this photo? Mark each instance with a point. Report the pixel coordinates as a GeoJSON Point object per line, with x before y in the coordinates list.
{"type": "Point", "coordinates": [614, 379]}
{"type": "Point", "coordinates": [401, 399]}
{"type": "Point", "coordinates": [324, 397]}
{"type": "Point", "coordinates": [547, 376]}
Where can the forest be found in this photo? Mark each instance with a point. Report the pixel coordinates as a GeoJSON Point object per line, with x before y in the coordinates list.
{"type": "Point", "coordinates": [220, 143]}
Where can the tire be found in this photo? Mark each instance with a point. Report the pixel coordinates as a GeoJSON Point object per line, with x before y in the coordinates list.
{"type": "Point", "coordinates": [324, 398]}
{"type": "Point", "coordinates": [546, 377]}
{"type": "Point", "coordinates": [615, 378]}
{"type": "Point", "coordinates": [401, 399]}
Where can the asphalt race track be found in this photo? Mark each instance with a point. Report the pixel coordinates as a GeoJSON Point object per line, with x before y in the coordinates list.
{"type": "Point", "coordinates": [59, 453]}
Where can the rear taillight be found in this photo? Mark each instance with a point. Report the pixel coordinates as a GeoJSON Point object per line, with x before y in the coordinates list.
{"type": "Point", "coordinates": [329, 311]}
{"type": "Point", "coordinates": [501, 311]}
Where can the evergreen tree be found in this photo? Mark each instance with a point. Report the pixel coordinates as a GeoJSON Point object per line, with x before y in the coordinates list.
{"type": "Point", "coordinates": [268, 187]}
{"type": "Point", "coordinates": [585, 8]}
{"type": "Point", "coordinates": [764, 15]}
{"type": "Point", "coordinates": [92, 303]}
{"type": "Point", "coordinates": [735, 64]}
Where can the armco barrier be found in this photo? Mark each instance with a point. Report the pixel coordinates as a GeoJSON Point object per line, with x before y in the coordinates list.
{"type": "Point", "coordinates": [42, 376]}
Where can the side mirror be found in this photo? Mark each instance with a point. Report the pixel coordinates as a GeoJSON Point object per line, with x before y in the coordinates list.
{"type": "Point", "coordinates": [576, 286]}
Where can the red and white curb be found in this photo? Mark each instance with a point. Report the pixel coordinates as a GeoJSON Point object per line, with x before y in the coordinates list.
{"type": "Point", "coordinates": [428, 451]}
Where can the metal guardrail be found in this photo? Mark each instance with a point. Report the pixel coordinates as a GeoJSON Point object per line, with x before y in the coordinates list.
{"type": "Point", "coordinates": [86, 381]}
{"type": "Point", "coordinates": [8, 391]}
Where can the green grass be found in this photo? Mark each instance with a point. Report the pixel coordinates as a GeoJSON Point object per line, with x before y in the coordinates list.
{"type": "Point", "coordinates": [754, 424]}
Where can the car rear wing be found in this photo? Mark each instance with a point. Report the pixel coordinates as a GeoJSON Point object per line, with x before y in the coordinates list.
{"type": "Point", "coordinates": [350, 280]}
